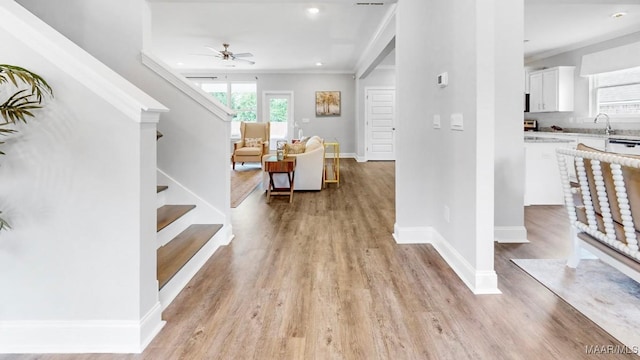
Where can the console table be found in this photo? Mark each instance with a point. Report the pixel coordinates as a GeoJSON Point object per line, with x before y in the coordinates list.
{"type": "Point", "coordinates": [273, 166]}
{"type": "Point", "coordinates": [332, 164]}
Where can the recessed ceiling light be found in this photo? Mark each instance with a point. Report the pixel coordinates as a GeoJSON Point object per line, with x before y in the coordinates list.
{"type": "Point", "coordinates": [319, 63]}
{"type": "Point", "coordinates": [618, 14]}
{"type": "Point", "coordinates": [180, 64]}
{"type": "Point", "coordinates": [313, 10]}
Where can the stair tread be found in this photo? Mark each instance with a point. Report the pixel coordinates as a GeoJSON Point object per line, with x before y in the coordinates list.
{"type": "Point", "coordinates": [176, 253]}
{"type": "Point", "coordinates": [161, 188]}
{"type": "Point", "coordinates": [170, 213]}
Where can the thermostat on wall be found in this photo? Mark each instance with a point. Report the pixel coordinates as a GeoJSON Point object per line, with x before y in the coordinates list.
{"type": "Point", "coordinates": [443, 79]}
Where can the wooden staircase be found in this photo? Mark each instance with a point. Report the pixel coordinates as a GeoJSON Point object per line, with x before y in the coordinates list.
{"type": "Point", "coordinates": [191, 238]}
{"type": "Point", "coordinates": [173, 256]}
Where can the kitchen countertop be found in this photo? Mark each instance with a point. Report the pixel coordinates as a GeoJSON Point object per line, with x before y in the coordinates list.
{"type": "Point", "coordinates": [540, 139]}
{"type": "Point", "coordinates": [617, 133]}
{"type": "Point", "coordinates": [546, 134]}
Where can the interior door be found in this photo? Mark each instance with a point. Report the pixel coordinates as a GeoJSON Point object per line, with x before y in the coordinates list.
{"type": "Point", "coordinates": [380, 123]}
{"type": "Point", "coordinates": [278, 109]}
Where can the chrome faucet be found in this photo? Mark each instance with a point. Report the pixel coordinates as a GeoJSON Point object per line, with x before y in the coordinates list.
{"type": "Point", "coordinates": [607, 130]}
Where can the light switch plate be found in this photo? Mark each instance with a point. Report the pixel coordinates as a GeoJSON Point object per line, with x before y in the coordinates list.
{"type": "Point", "coordinates": [443, 79]}
{"type": "Point", "coordinates": [305, 120]}
{"type": "Point", "coordinates": [457, 122]}
{"type": "Point", "coordinates": [436, 121]}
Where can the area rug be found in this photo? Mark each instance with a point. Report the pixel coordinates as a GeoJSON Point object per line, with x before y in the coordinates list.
{"type": "Point", "coordinates": [244, 179]}
{"type": "Point", "coordinates": [603, 294]}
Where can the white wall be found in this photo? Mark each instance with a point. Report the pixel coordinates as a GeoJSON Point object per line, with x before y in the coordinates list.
{"type": "Point", "coordinates": [382, 43]}
{"type": "Point", "coordinates": [74, 185]}
{"type": "Point", "coordinates": [442, 168]}
{"type": "Point", "coordinates": [194, 150]}
{"type": "Point", "coordinates": [304, 87]}
{"type": "Point", "coordinates": [509, 143]}
{"type": "Point", "coordinates": [69, 164]}
{"type": "Point", "coordinates": [579, 118]}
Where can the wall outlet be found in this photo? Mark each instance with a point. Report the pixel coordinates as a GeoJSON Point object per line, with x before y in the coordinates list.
{"type": "Point", "coordinates": [447, 214]}
{"type": "Point", "coordinates": [436, 121]}
{"type": "Point", "coordinates": [305, 120]}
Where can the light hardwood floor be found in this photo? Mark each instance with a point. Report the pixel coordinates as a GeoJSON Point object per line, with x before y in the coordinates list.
{"type": "Point", "coordinates": [322, 278]}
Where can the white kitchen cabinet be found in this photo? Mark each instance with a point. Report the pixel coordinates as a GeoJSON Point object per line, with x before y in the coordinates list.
{"type": "Point", "coordinates": [594, 142]}
{"type": "Point", "coordinates": [551, 89]}
{"type": "Point", "coordinates": [542, 175]}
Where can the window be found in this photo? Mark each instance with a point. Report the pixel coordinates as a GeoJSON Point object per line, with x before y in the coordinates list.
{"type": "Point", "coordinates": [243, 100]}
{"type": "Point", "coordinates": [617, 93]}
{"type": "Point", "coordinates": [241, 97]}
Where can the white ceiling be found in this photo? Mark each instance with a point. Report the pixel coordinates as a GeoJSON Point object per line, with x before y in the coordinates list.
{"type": "Point", "coordinates": [555, 26]}
{"type": "Point", "coordinates": [283, 37]}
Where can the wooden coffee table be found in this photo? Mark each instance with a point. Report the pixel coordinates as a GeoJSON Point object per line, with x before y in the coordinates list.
{"type": "Point", "coordinates": [274, 166]}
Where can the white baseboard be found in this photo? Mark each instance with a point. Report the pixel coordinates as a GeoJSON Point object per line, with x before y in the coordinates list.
{"type": "Point", "coordinates": [342, 155]}
{"type": "Point", "coordinates": [169, 292]}
{"type": "Point", "coordinates": [152, 323]}
{"type": "Point", "coordinates": [67, 337]}
{"type": "Point", "coordinates": [412, 235]}
{"type": "Point", "coordinates": [510, 234]}
{"type": "Point", "coordinates": [364, 158]}
{"type": "Point", "coordinates": [480, 282]}
{"type": "Point", "coordinates": [227, 235]}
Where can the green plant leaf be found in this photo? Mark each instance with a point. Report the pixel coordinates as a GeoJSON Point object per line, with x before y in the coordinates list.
{"type": "Point", "coordinates": [16, 75]}
{"type": "Point", "coordinates": [17, 107]}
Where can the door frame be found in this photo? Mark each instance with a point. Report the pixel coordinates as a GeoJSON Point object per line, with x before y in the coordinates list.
{"type": "Point", "coordinates": [366, 118]}
{"type": "Point", "coordinates": [265, 107]}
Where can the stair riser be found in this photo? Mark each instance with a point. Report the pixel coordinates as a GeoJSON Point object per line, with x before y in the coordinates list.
{"type": "Point", "coordinates": [172, 230]}
{"type": "Point", "coordinates": [161, 199]}
{"type": "Point", "coordinates": [182, 278]}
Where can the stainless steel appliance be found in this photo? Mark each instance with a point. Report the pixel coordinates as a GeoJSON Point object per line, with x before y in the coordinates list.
{"type": "Point", "coordinates": [623, 146]}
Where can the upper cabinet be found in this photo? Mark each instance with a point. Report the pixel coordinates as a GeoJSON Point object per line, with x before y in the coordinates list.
{"type": "Point", "coordinates": [551, 89]}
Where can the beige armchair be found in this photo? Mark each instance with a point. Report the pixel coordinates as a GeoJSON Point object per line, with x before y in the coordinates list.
{"type": "Point", "coordinates": [253, 144]}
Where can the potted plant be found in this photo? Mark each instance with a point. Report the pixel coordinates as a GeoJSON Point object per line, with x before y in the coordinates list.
{"type": "Point", "coordinates": [30, 90]}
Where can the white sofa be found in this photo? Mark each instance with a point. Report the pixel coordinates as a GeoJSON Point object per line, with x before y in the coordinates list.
{"type": "Point", "coordinates": [309, 168]}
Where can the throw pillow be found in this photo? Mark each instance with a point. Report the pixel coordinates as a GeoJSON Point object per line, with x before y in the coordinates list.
{"type": "Point", "coordinates": [253, 142]}
{"type": "Point", "coordinates": [297, 148]}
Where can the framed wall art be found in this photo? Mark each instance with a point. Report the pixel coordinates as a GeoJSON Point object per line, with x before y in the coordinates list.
{"type": "Point", "coordinates": [327, 103]}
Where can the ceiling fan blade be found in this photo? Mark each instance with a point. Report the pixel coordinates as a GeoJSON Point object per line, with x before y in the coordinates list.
{"type": "Point", "coordinates": [247, 61]}
{"type": "Point", "coordinates": [243, 55]}
{"type": "Point", "coordinates": [214, 50]}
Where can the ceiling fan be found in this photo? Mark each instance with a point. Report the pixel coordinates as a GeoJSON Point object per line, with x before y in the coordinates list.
{"type": "Point", "coordinates": [227, 55]}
